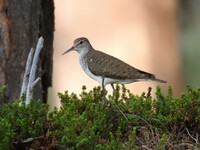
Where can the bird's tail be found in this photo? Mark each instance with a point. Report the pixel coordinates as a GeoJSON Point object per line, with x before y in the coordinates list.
{"type": "Point", "coordinates": [159, 80]}
{"type": "Point", "coordinates": [151, 77]}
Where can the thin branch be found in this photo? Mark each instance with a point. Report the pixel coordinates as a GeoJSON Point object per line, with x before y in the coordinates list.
{"type": "Point", "coordinates": [34, 84]}
{"type": "Point", "coordinates": [27, 72]}
{"type": "Point", "coordinates": [39, 46]}
{"type": "Point", "coordinates": [196, 140]}
{"type": "Point", "coordinates": [161, 124]}
{"type": "Point", "coordinates": [148, 124]}
{"type": "Point", "coordinates": [188, 145]}
{"type": "Point", "coordinates": [28, 140]}
{"type": "Point", "coordinates": [32, 139]}
{"type": "Point", "coordinates": [121, 112]}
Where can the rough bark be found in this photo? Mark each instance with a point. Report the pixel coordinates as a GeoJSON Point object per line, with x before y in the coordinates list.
{"type": "Point", "coordinates": [22, 23]}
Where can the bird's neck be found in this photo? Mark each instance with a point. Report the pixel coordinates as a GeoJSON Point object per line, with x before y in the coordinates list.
{"type": "Point", "coordinates": [85, 50]}
{"type": "Point", "coordinates": [83, 57]}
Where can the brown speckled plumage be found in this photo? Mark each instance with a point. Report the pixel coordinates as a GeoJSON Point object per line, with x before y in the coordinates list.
{"type": "Point", "coordinates": [102, 64]}
{"type": "Point", "coordinates": [105, 68]}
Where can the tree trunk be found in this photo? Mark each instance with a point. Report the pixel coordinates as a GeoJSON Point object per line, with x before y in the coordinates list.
{"type": "Point", "coordinates": [22, 22]}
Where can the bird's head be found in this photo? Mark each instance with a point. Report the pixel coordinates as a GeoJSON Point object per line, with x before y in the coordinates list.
{"type": "Point", "coordinates": [81, 45]}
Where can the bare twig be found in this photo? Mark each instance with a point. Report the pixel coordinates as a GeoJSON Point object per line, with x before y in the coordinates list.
{"type": "Point", "coordinates": [148, 124]}
{"type": "Point", "coordinates": [29, 92]}
{"type": "Point", "coordinates": [183, 145]}
{"type": "Point", "coordinates": [28, 140]}
{"type": "Point", "coordinates": [196, 140]}
{"type": "Point", "coordinates": [32, 139]}
{"type": "Point", "coordinates": [27, 72]}
{"type": "Point", "coordinates": [34, 84]}
{"type": "Point", "coordinates": [161, 124]}
{"type": "Point", "coordinates": [121, 112]}
{"type": "Point", "coordinates": [145, 147]}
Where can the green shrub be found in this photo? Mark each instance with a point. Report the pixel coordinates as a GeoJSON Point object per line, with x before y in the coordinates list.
{"type": "Point", "coordinates": [22, 122]}
{"type": "Point", "coordinates": [85, 121]}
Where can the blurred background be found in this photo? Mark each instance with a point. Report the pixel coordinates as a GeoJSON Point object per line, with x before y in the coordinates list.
{"type": "Point", "coordinates": [160, 37]}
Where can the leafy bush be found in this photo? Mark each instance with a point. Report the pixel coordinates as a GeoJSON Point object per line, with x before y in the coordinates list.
{"type": "Point", "coordinates": [124, 121]}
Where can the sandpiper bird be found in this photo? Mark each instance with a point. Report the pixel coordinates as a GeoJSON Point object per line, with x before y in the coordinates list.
{"type": "Point", "coordinates": [105, 68]}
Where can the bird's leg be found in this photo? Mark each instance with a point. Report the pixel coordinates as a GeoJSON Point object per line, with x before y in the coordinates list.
{"type": "Point", "coordinates": [102, 83]}
{"type": "Point", "coordinates": [103, 87]}
{"type": "Point", "coordinates": [112, 85]}
{"type": "Point", "coordinates": [104, 92]}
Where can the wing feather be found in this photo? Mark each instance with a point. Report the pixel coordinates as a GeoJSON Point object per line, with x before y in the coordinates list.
{"type": "Point", "coordinates": [105, 65]}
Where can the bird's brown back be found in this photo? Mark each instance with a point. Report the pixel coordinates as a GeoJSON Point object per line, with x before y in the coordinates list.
{"type": "Point", "coordinates": [105, 65]}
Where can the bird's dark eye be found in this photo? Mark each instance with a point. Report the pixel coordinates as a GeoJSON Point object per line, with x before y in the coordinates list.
{"type": "Point", "coordinates": [81, 42]}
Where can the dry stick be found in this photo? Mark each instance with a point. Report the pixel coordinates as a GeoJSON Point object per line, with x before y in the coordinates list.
{"type": "Point", "coordinates": [121, 112]}
{"type": "Point", "coordinates": [29, 92]}
{"type": "Point", "coordinates": [34, 84]}
{"type": "Point", "coordinates": [28, 140]}
{"type": "Point", "coordinates": [196, 140]}
{"type": "Point", "coordinates": [27, 72]}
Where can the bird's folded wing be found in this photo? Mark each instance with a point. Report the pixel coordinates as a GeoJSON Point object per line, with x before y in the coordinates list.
{"type": "Point", "coordinates": [102, 64]}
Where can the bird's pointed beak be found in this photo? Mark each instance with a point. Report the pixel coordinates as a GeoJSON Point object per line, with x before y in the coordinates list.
{"type": "Point", "coordinates": [71, 49]}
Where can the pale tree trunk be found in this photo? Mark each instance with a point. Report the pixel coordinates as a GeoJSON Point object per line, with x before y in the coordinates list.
{"type": "Point", "coordinates": [21, 24]}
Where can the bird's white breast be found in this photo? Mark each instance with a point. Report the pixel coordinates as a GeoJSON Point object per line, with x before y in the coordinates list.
{"type": "Point", "coordinates": [84, 66]}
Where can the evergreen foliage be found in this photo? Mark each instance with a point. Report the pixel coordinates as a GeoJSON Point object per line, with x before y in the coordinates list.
{"type": "Point", "coordinates": [84, 121]}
